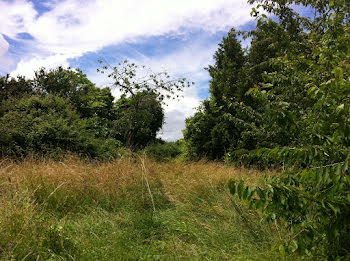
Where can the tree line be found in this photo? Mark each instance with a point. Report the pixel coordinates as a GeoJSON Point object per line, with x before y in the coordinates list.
{"type": "Point", "coordinates": [61, 110]}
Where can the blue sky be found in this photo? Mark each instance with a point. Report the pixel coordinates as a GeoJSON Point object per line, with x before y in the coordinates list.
{"type": "Point", "coordinates": [176, 36]}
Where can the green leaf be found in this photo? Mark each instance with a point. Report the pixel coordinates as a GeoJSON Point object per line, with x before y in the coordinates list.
{"type": "Point", "coordinates": [240, 189]}
{"type": "Point", "coordinates": [282, 250]}
{"type": "Point", "coordinates": [338, 72]}
{"type": "Point", "coordinates": [339, 108]}
{"type": "Point", "coordinates": [334, 208]}
{"type": "Point", "coordinates": [338, 171]}
{"type": "Point", "coordinates": [246, 192]}
{"type": "Point", "coordinates": [232, 187]}
{"type": "Point", "coordinates": [260, 193]}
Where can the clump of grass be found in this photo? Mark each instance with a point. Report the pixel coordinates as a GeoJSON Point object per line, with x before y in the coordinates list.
{"type": "Point", "coordinates": [128, 209]}
{"type": "Point", "coordinates": [26, 230]}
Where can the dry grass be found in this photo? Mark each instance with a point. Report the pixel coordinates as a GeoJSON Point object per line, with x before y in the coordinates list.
{"type": "Point", "coordinates": [51, 209]}
{"type": "Point", "coordinates": [81, 179]}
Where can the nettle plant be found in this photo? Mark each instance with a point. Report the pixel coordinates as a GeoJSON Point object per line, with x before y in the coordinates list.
{"type": "Point", "coordinates": [313, 196]}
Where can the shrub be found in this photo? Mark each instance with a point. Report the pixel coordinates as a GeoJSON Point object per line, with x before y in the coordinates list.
{"type": "Point", "coordinates": [48, 126]}
{"type": "Point", "coordinates": [166, 151]}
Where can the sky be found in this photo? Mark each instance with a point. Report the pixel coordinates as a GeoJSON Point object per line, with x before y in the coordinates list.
{"type": "Point", "coordinates": [179, 37]}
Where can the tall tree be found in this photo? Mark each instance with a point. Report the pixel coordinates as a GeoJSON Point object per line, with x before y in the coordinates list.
{"type": "Point", "coordinates": [139, 118]}
{"type": "Point", "coordinates": [225, 73]}
{"type": "Point", "coordinates": [228, 120]}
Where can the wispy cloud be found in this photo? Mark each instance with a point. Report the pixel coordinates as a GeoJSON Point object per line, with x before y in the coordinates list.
{"type": "Point", "coordinates": [5, 61]}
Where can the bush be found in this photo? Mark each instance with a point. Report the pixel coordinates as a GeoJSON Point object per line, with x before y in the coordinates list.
{"type": "Point", "coordinates": [48, 126]}
{"type": "Point", "coordinates": [166, 151]}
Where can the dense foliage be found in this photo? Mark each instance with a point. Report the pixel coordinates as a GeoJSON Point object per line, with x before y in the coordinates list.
{"type": "Point", "coordinates": [61, 110]}
{"type": "Point", "coordinates": [227, 121]}
{"type": "Point", "coordinates": [53, 113]}
{"type": "Point", "coordinates": [296, 113]}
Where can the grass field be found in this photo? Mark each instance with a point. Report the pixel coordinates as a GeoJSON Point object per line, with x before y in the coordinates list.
{"type": "Point", "coordinates": [129, 209]}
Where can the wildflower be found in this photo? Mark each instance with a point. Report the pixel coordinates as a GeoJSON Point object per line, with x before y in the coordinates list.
{"type": "Point", "coordinates": [10, 245]}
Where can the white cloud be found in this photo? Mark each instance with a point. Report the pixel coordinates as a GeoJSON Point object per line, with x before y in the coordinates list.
{"type": "Point", "coordinates": [74, 27]}
{"type": "Point", "coordinates": [177, 111]}
{"type": "Point", "coordinates": [16, 17]}
{"type": "Point", "coordinates": [4, 46]}
{"type": "Point", "coordinates": [27, 67]}
{"type": "Point", "coordinates": [188, 61]}
{"type": "Point", "coordinates": [5, 61]}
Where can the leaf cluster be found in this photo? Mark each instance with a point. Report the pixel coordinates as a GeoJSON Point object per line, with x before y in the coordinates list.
{"type": "Point", "coordinates": [309, 93]}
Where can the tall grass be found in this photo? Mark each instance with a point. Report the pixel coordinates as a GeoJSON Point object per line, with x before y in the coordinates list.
{"type": "Point", "coordinates": [128, 209]}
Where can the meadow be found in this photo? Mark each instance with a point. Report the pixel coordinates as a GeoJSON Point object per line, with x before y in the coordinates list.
{"type": "Point", "coordinates": [133, 208]}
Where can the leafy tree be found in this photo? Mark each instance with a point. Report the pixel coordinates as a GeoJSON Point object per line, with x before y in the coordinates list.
{"type": "Point", "coordinates": [14, 87]}
{"type": "Point", "coordinates": [139, 118]}
{"type": "Point", "coordinates": [236, 117]}
{"type": "Point", "coordinates": [130, 79]}
{"type": "Point", "coordinates": [94, 104]}
{"type": "Point", "coordinates": [225, 73]}
{"type": "Point", "coordinates": [60, 81]}
{"type": "Point", "coordinates": [313, 195]}
{"type": "Point", "coordinates": [40, 125]}
{"type": "Point", "coordinates": [228, 120]}
{"type": "Point", "coordinates": [214, 131]}
{"type": "Point", "coordinates": [59, 110]}
{"type": "Point", "coordinates": [140, 115]}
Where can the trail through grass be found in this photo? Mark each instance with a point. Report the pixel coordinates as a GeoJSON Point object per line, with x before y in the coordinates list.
{"type": "Point", "coordinates": [77, 210]}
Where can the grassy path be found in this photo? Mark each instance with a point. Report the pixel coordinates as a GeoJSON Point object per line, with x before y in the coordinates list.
{"type": "Point", "coordinates": [76, 210]}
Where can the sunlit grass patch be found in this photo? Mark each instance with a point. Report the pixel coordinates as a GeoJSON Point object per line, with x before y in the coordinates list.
{"type": "Point", "coordinates": [128, 209]}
